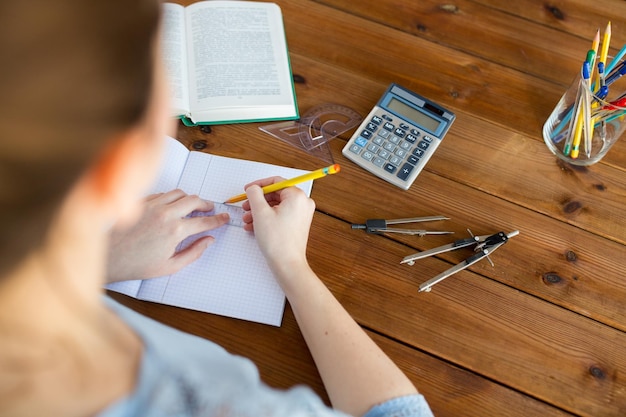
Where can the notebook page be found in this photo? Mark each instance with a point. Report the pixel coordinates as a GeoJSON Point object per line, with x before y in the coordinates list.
{"type": "Point", "coordinates": [231, 278]}
{"type": "Point", "coordinates": [190, 181]}
{"type": "Point", "coordinates": [173, 163]}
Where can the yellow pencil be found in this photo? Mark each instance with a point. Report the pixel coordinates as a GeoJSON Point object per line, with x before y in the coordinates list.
{"type": "Point", "coordinates": [313, 175]}
{"type": "Point", "coordinates": [578, 131]}
{"type": "Point", "coordinates": [604, 52]}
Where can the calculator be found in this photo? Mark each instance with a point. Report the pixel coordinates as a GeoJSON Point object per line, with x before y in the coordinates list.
{"type": "Point", "coordinates": [399, 135]}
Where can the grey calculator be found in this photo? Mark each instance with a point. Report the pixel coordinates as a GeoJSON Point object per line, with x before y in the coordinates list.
{"type": "Point", "coordinates": [398, 137]}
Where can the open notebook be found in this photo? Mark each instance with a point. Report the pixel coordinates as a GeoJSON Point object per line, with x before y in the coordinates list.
{"type": "Point", "coordinates": [231, 278]}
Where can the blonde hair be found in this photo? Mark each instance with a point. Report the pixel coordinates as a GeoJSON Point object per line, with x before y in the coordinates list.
{"type": "Point", "coordinates": [73, 73]}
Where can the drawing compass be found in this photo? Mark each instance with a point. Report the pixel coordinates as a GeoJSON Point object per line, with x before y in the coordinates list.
{"type": "Point", "coordinates": [382, 226]}
{"type": "Point", "coordinates": [483, 247]}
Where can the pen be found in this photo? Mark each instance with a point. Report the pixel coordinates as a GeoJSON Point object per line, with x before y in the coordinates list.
{"type": "Point", "coordinates": [313, 175]}
{"type": "Point", "coordinates": [602, 87]}
{"type": "Point", "coordinates": [618, 72]}
{"type": "Point", "coordinates": [616, 60]}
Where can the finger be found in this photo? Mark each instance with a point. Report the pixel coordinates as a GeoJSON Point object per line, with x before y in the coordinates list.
{"type": "Point", "coordinates": [289, 192]}
{"type": "Point", "coordinates": [189, 203]}
{"type": "Point", "coordinates": [256, 198]}
{"type": "Point", "coordinates": [190, 253]}
{"type": "Point", "coordinates": [201, 224]}
{"type": "Point", "coordinates": [153, 197]}
{"type": "Point", "coordinates": [170, 196]}
{"type": "Point", "coordinates": [270, 197]}
{"type": "Point", "coordinates": [265, 181]}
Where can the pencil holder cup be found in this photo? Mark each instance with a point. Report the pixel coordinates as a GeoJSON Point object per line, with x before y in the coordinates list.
{"type": "Point", "coordinates": [584, 124]}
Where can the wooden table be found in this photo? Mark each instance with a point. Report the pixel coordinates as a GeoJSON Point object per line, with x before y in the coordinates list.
{"type": "Point", "coordinates": [541, 333]}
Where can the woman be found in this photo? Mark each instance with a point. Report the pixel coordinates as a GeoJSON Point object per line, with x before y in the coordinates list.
{"type": "Point", "coordinates": [82, 115]}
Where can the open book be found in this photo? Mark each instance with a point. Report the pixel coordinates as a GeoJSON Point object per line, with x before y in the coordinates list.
{"type": "Point", "coordinates": [232, 277]}
{"type": "Point", "coordinates": [227, 62]}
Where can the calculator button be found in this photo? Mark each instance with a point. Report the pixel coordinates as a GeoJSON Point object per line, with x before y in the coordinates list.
{"type": "Point", "coordinates": [418, 152]}
{"type": "Point", "coordinates": [405, 145]}
{"type": "Point", "coordinates": [404, 172]}
{"type": "Point", "coordinates": [361, 141]}
{"type": "Point", "coordinates": [428, 139]}
{"type": "Point", "coordinates": [371, 127]}
{"type": "Point", "coordinates": [384, 154]}
{"type": "Point", "coordinates": [394, 139]}
{"type": "Point", "coordinates": [389, 146]}
{"type": "Point", "coordinates": [384, 116]}
{"type": "Point", "coordinates": [384, 133]}
{"type": "Point", "coordinates": [423, 144]}
{"type": "Point", "coordinates": [356, 149]}
{"type": "Point", "coordinates": [373, 148]}
{"type": "Point", "coordinates": [412, 159]}
{"type": "Point", "coordinates": [395, 160]}
{"type": "Point", "coordinates": [390, 168]}
{"type": "Point", "coordinates": [366, 134]}
{"type": "Point", "coordinates": [378, 162]}
{"type": "Point", "coordinates": [400, 152]}
{"type": "Point", "coordinates": [378, 140]}
{"type": "Point", "coordinates": [388, 126]}
{"type": "Point", "coordinates": [415, 132]}
{"type": "Point", "coordinates": [411, 137]}
{"type": "Point", "coordinates": [400, 132]}
{"type": "Point", "coordinates": [367, 155]}
{"type": "Point", "coordinates": [404, 126]}
{"type": "Point", "coordinates": [377, 120]}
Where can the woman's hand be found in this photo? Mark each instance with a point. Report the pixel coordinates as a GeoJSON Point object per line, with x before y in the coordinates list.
{"type": "Point", "coordinates": [147, 249]}
{"type": "Point", "coordinates": [281, 223]}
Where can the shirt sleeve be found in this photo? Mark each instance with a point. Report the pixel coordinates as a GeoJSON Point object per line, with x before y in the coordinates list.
{"type": "Point", "coordinates": [406, 406]}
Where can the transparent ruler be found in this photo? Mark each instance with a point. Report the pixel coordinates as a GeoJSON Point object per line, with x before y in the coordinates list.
{"type": "Point", "coordinates": [235, 213]}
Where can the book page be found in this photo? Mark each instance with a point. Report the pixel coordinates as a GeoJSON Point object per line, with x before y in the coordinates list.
{"type": "Point", "coordinates": [174, 47]}
{"type": "Point", "coordinates": [238, 63]}
{"type": "Point", "coordinates": [231, 278]}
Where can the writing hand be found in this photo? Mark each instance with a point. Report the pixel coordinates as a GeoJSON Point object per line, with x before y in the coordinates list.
{"type": "Point", "coordinates": [281, 222]}
{"type": "Point", "coordinates": [147, 249]}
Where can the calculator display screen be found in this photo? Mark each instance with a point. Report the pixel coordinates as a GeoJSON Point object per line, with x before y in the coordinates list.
{"type": "Point", "coordinates": [427, 122]}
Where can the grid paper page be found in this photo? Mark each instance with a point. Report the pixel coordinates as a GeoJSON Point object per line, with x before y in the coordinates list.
{"type": "Point", "coordinates": [231, 278]}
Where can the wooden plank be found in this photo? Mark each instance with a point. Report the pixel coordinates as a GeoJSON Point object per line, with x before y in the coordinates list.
{"type": "Point", "coordinates": [579, 17]}
{"type": "Point", "coordinates": [494, 35]}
